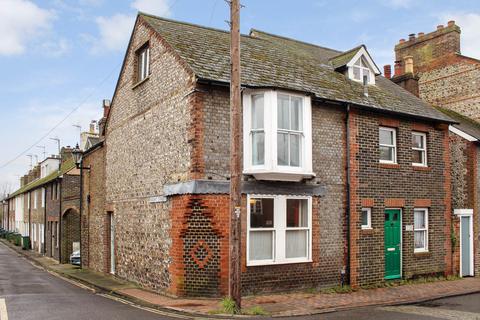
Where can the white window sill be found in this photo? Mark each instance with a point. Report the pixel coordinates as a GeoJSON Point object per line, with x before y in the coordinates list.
{"type": "Point", "coordinates": [279, 175]}
{"type": "Point", "coordinates": [271, 263]}
{"type": "Point", "coordinates": [420, 251]}
{"type": "Point", "coordinates": [387, 162]}
{"type": "Point", "coordinates": [367, 228]}
{"type": "Point", "coordinates": [419, 165]}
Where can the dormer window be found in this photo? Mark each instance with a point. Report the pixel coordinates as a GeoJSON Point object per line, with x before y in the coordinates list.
{"type": "Point", "coordinates": [277, 135]}
{"type": "Point", "coordinates": [361, 70]}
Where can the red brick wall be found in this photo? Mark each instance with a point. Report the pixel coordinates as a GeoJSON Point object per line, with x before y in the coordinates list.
{"type": "Point", "coordinates": [395, 186]}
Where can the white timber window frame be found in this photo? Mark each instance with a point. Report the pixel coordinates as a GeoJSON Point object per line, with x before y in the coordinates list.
{"type": "Point", "coordinates": [367, 222]}
{"type": "Point", "coordinates": [362, 65]}
{"type": "Point", "coordinates": [420, 229]}
{"type": "Point", "coordinates": [388, 145]}
{"type": "Point", "coordinates": [42, 201]}
{"type": "Point", "coordinates": [143, 62]}
{"type": "Point", "coordinates": [35, 199]}
{"type": "Point", "coordinates": [420, 148]}
{"type": "Point", "coordinates": [280, 231]}
{"type": "Point", "coordinates": [265, 126]}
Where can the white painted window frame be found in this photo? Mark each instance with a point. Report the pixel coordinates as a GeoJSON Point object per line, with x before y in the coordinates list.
{"type": "Point", "coordinates": [371, 66]}
{"type": "Point", "coordinates": [35, 199]}
{"type": "Point", "coordinates": [394, 145]}
{"type": "Point", "coordinates": [270, 170]}
{"type": "Point", "coordinates": [424, 149]}
{"type": "Point", "coordinates": [42, 201]}
{"type": "Point", "coordinates": [143, 57]}
{"type": "Point", "coordinates": [368, 226]}
{"type": "Point", "coordinates": [426, 229]}
{"type": "Point", "coordinates": [279, 230]}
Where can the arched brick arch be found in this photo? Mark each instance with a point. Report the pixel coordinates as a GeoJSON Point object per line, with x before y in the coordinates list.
{"type": "Point", "coordinates": [70, 234]}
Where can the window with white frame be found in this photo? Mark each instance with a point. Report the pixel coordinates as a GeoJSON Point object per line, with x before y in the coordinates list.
{"type": "Point", "coordinates": [279, 229]}
{"type": "Point", "coordinates": [43, 198]}
{"type": "Point", "coordinates": [143, 63]}
{"type": "Point", "coordinates": [419, 149]}
{"type": "Point", "coordinates": [366, 218]}
{"type": "Point", "coordinates": [361, 70]}
{"type": "Point", "coordinates": [35, 199]}
{"type": "Point", "coordinates": [420, 226]}
{"type": "Point", "coordinates": [28, 200]}
{"type": "Point", "coordinates": [277, 135]}
{"type": "Point", "coordinates": [387, 145]}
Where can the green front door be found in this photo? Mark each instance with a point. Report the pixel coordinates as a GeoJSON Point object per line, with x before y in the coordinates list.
{"type": "Point", "coordinates": [392, 243]}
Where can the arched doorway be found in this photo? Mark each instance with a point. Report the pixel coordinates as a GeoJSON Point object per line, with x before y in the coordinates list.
{"type": "Point", "coordinates": [70, 234]}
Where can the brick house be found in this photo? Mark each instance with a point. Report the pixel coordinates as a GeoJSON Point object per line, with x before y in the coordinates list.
{"type": "Point", "coordinates": [432, 67]}
{"type": "Point", "coordinates": [332, 180]}
{"type": "Point", "coordinates": [46, 207]}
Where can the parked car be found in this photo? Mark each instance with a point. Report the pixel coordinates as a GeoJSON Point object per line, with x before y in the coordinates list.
{"type": "Point", "coordinates": [75, 258]}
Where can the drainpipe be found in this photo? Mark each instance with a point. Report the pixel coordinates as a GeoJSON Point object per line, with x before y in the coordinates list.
{"type": "Point", "coordinates": [347, 211]}
{"type": "Point", "coordinates": [44, 221]}
{"type": "Point", "coordinates": [30, 217]}
{"type": "Point", "coordinates": [81, 210]}
{"type": "Point", "coordinates": [59, 238]}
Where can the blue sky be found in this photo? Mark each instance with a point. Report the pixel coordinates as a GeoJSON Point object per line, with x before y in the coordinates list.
{"type": "Point", "coordinates": [61, 55]}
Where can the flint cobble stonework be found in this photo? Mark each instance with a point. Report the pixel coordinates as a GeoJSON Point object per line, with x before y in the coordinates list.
{"type": "Point", "coordinates": [147, 145]}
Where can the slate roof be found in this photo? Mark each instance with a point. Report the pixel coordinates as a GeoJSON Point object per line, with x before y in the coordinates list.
{"type": "Point", "coordinates": [464, 123]}
{"type": "Point", "coordinates": [273, 61]}
{"type": "Point", "coordinates": [344, 57]}
{"type": "Point", "coordinates": [64, 168]}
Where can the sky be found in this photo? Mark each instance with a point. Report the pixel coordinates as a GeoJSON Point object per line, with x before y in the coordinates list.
{"type": "Point", "coordinates": [60, 58]}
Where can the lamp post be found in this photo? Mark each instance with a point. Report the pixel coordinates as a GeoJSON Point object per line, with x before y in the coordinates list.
{"type": "Point", "coordinates": [78, 158]}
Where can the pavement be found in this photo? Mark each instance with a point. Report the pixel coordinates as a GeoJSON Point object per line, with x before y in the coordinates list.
{"type": "Point", "coordinates": [21, 283]}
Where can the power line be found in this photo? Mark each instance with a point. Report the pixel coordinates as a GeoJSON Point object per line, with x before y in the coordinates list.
{"type": "Point", "coordinates": [63, 119]}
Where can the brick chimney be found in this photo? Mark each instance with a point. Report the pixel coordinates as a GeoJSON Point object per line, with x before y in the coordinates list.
{"type": "Point", "coordinates": [398, 68]}
{"type": "Point", "coordinates": [387, 71]}
{"type": "Point", "coordinates": [66, 153]}
{"type": "Point", "coordinates": [426, 48]}
{"type": "Point", "coordinates": [408, 64]}
{"type": "Point", "coordinates": [102, 122]}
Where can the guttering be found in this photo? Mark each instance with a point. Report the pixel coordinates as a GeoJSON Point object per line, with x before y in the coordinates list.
{"type": "Point", "coordinates": [330, 101]}
{"type": "Point", "coordinates": [348, 191]}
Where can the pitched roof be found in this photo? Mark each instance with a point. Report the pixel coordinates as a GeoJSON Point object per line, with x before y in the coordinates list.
{"type": "Point", "coordinates": [464, 123]}
{"type": "Point", "coordinates": [64, 168]}
{"type": "Point", "coordinates": [272, 61]}
{"type": "Point", "coordinates": [344, 57]}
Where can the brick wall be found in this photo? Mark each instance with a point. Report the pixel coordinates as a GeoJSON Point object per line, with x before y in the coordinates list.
{"type": "Point", "coordinates": [53, 217]}
{"type": "Point", "coordinates": [402, 186]}
{"type": "Point", "coordinates": [70, 219]}
{"type": "Point", "coordinates": [476, 215]}
{"type": "Point", "coordinates": [149, 141]}
{"type": "Point", "coordinates": [95, 231]}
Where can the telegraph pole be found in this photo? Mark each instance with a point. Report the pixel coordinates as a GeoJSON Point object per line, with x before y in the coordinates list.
{"type": "Point", "coordinates": [235, 160]}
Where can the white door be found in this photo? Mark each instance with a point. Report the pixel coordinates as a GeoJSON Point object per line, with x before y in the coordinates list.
{"type": "Point", "coordinates": [112, 244]}
{"type": "Point", "coordinates": [466, 246]}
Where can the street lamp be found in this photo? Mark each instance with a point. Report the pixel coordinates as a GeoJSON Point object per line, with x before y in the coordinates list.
{"type": "Point", "coordinates": [78, 158]}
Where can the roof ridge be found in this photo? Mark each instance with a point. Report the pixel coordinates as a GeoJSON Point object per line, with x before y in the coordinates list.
{"type": "Point", "coordinates": [348, 51]}
{"type": "Point", "coordinates": [140, 13]}
{"type": "Point", "coordinates": [291, 39]}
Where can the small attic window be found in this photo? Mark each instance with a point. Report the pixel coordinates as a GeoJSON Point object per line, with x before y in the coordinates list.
{"type": "Point", "coordinates": [361, 70]}
{"type": "Point", "coordinates": [143, 63]}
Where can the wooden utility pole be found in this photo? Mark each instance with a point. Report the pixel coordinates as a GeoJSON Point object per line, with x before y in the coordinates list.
{"type": "Point", "coordinates": [235, 156]}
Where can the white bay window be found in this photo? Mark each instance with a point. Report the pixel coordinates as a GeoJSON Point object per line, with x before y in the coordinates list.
{"type": "Point", "coordinates": [277, 135]}
{"type": "Point", "coordinates": [279, 229]}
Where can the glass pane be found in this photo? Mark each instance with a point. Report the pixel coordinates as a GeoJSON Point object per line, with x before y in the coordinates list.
{"type": "Point", "coordinates": [364, 62]}
{"type": "Point", "coordinates": [296, 244]}
{"type": "Point", "coordinates": [297, 213]}
{"type": "Point", "coordinates": [386, 137]}
{"type": "Point", "coordinates": [366, 73]}
{"type": "Point", "coordinates": [261, 245]}
{"type": "Point", "coordinates": [257, 111]}
{"type": "Point", "coordinates": [417, 141]}
{"type": "Point", "coordinates": [417, 156]}
{"type": "Point", "coordinates": [296, 116]}
{"type": "Point", "coordinates": [395, 216]}
{"type": "Point", "coordinates": [261, 213]}
{"type": "Point", "coordinates": [258, 148]}
{"type": "Point", "coordinates": [387, 217]}
{"type": "Point", "coordinates": [295, 149]}
{"type": "Point", "coordinates": [386, 153]}
{"type": "Point", "coordinates": [419, 239]}
{"type": "Point", "coordinates": [419, 220]}
{"type": "Point", "coordinates": [282, 149]}
{"type": "Point", "coordinates": [283, 119]}
{"type": "Point", "coordinates": [356, 73]}
{"type": "Point", "coordinates": [357, 63]}
{"type": "Point", "coordinates": [364, 218]}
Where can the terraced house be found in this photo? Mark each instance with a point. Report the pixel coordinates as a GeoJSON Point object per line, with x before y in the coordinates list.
{"type": "Point", "coordinates": [346, 176]}
{"type": "Point", "coordinates": [432, 67]}
{"type": "Point", "coordinates": [46, 207]}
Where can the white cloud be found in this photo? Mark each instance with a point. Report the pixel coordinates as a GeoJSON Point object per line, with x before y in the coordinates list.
{"type": "Point", "coordinates": [470, 25]}
{"type": "Point", "coordinates": [114, 33]}
{"type": "Point", "coordinates": [398, 4]}
{"type": "Point", "coordinates": [155, 7]}
{"type": "Point", "coordinates": [20, 22]}
{"type": "Point", "coordinates": [55, 49]}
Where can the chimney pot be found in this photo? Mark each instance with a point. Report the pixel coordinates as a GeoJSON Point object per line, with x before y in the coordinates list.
{"type": "Point", "coordinates": [398, 68]}
{"type": "Point", "coordinates": [411, 36]}
{"type": "Point", "coordinates": [387, 71]}
{"type": "Point", "coordinates": [401, 41]}
{"type": "Point", "coordinates": [408, 64]}
{"type": "Point", "coordinates": [440, 27]}
{"type": "Point", "coordinates": [421, 34]}
{"type": "Point", "coordinates": [451, 23]}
